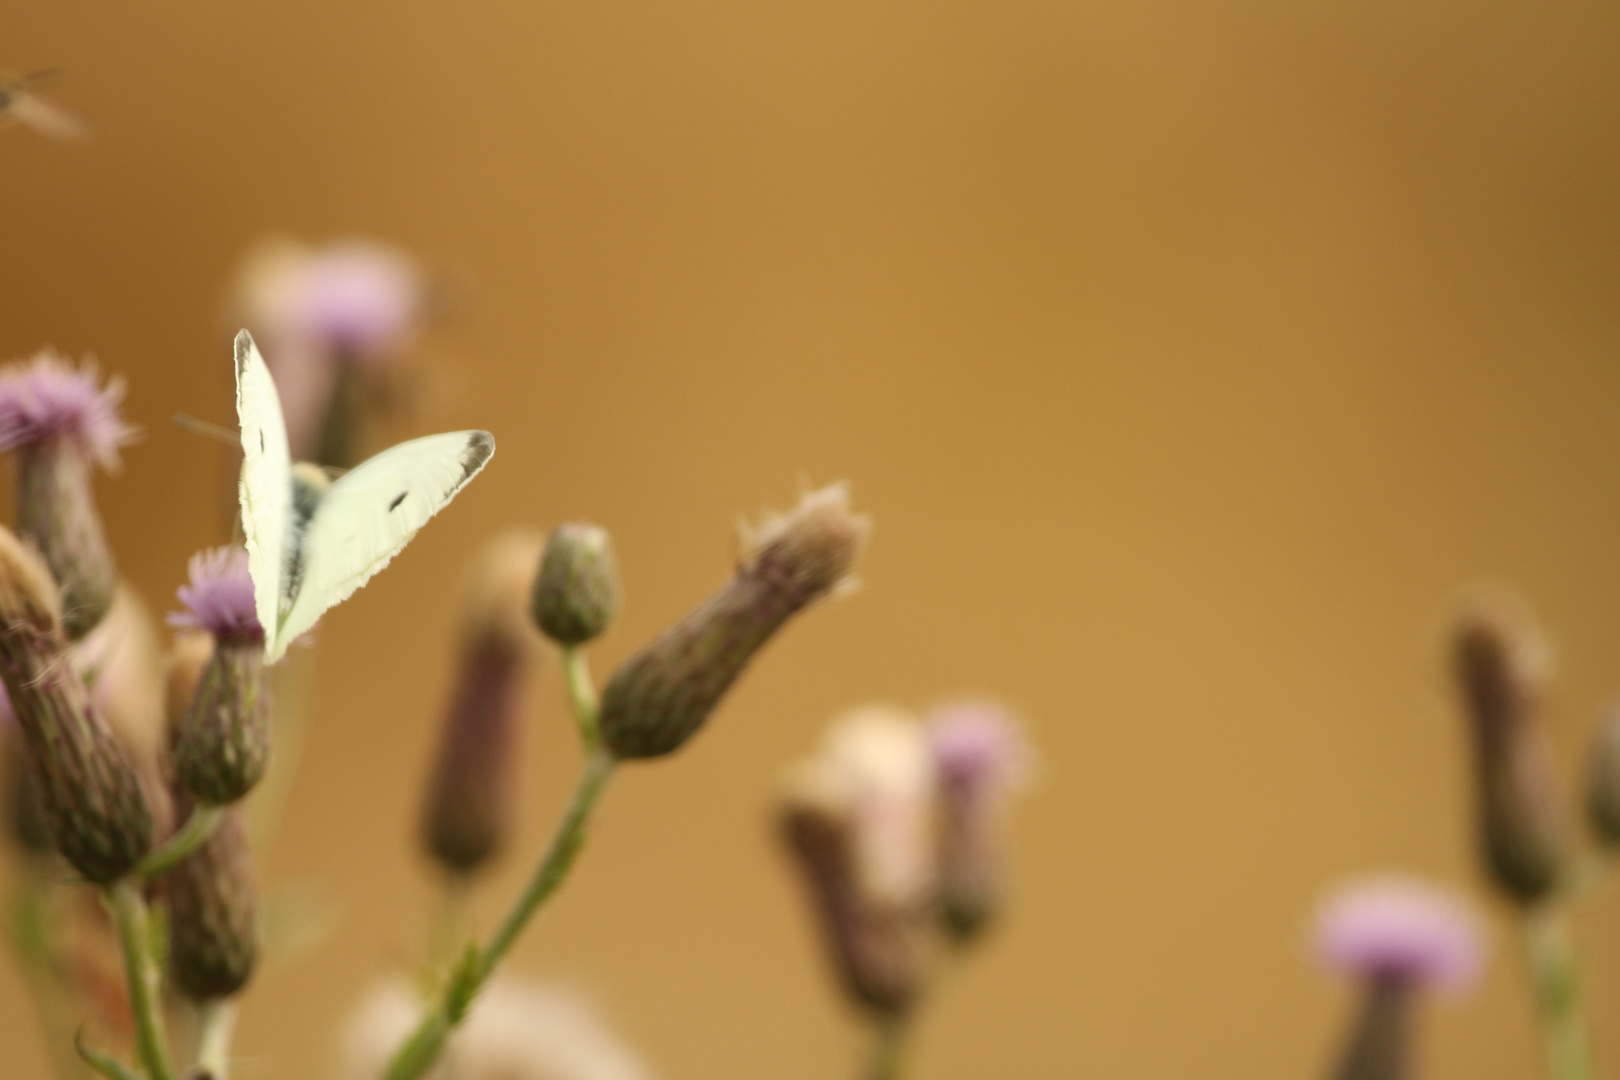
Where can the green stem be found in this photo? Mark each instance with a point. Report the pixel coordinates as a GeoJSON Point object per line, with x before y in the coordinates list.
{"type": "Point", "coordinates": [135, 939]}
{"type": "Point", "coordinates": [186, 839]}
{"type": "Point", "coordinates": [216, 1020]}
{"type": "Point", "coordinates": [888, 1047]}
{"type": "Point", "coordinates": [1554, 974]}
{"type": "Point", "coordinates": [418, 1053]}
{"type": "Point", "coordinates": [104, 1064]}
{"type": "Point", "coordinates": [582, 695]}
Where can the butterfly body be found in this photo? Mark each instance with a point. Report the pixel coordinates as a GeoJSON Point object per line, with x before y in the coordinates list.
{"type": "Point", "coordinates": [313, 541]}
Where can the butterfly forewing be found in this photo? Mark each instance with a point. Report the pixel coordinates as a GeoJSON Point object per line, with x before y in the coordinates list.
{"type": "Point", "coordinates": [370, 513]}
{"type": "Point", "coordinates": [266, 483]}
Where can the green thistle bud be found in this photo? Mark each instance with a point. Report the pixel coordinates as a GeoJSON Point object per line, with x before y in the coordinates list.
{"type": "Point", "coordinates": [1501, 664]}
{"type": "Point", "coordinates": [469, 808]}
{"type": "Point", "coordinates": [213, 905]}
{"type": "Point", "coordinates": [660, 696]}
{"type": "Point", "coordinates": [224, 743]}
{"type": "Point", "coordinates": [577, 592]}
{"type": "Point", "coordinates": [89, 793]}
{"type": "Point", "coordinates": [1603, 781]}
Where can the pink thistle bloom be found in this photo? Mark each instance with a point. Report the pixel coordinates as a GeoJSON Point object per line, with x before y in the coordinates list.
{"type": "Point", "coordinates": [1400, 929]}
{"type": "Point", "coordinates": [46, 398]}
{"type": "Point", "coordinates": [219, 598]}
{"type": "Point", "coordinates": [359, 299]}
{"type": "Point", "coordinates": [977, 749]}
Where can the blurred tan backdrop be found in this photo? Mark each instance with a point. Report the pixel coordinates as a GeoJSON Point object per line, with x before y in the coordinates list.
{"type": "Point", "coordinates": [1188, 357]}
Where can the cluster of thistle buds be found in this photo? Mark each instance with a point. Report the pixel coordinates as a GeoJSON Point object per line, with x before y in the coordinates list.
{"type": "Point", "coordinates": [897, 826]}
{"type": "Point", "coordinates": [99, 798]}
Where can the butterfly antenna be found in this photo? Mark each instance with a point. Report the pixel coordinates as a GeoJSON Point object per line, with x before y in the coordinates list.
{"type": "Point", "coordinates": [203, 427]}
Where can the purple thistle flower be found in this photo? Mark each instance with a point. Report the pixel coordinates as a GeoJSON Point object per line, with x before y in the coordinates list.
{"type": "Point", "coordinates": [977, 749]}
{"type": "Point", "coordinates": [359, 299]}
{"type": "Point", "coordinates": [1397, 929]}
{"type": "Point", "coordinates": [219, 598]}
{"type": "Point", "coordinates": [46, 398]}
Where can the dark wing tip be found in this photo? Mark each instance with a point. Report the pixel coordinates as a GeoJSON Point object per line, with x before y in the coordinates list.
{"type": "Point", "coordinates": [480, 448]}
{"type": "Point", "coordinates": [244, 345]}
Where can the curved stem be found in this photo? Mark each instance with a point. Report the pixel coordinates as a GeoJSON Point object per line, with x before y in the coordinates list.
{"type": "Point", "coordinates": [186, 839]}
{"type": "Point", "coordinates": [1554, 975]}
{"type": "Point", "coordinates": [135, 939]}
{"type": "Point", "coordinates": [422, 1049]}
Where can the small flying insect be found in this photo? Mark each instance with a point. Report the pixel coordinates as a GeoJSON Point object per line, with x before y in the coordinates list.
{"type": "Point", "coordinates": [21, 104]}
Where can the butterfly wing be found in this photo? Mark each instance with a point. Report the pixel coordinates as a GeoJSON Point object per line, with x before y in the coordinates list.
{"type": "Point", "coordinates": [370, 513]}
{"type": "Point", "coordinates": [265, 489]}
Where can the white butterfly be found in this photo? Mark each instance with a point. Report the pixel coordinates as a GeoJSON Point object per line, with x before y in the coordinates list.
{"type": "Point", "coordinates": [311, 543]}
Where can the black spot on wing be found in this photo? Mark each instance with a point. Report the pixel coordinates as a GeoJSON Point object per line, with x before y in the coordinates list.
{"type": "Point", "coordinates": [397, 500]}
{"type": "Point", "coordinates": [261, 440]}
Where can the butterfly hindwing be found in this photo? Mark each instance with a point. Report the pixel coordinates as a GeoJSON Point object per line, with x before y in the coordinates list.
{"type": "Point", "coordinates": [266, 484]}
{"type": "Point", "coordinates": [370, 513]}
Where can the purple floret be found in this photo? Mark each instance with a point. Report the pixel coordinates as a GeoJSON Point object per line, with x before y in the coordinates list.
{"type": "Point", "coordinates": [219, 598]}
{"type": "Point", "coordinates": [1401, 929]}
{"type": "Point", "coordinates": [46, 398]}
{"type": "Point", "coordinates": [359, 298]}
{"type": "Point", "coordinates": [976, 748]}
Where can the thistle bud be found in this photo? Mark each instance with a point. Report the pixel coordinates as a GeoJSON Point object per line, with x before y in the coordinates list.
{"type": "Point", "coordinates": [577, 592]}
{"type": "Point", "coordinates": [224, 743]}
{"type": "Point", "coordinates": [60, 422]}
{"type": "Point", "coordinates": [1501, 664]}
{"type": "Point", "coordinates": [660, 696]}
{"type": "Point", "coordinates": [979, 759]}
{"type": "Point", "coordinates": [213, 905]}
{"type": "Point", "coordinates": [468, 813]}
{"type": "Point", "coordinates": [25, 813]}
{"type": "Point", "coordinates": [1397, 938]}
{"type": "Point", "coordinates": [89, 793]}
{"type": "Point", "coordinates": [856, 820]}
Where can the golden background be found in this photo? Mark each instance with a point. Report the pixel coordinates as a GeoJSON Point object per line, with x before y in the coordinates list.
{"type": "Point", "coordinates": [1187, 356]}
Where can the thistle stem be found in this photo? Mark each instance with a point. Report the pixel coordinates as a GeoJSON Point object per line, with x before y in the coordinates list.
{"type": "Point", "coordinates": [1554, 976]}
{"type": "Point", "coordinates": [888, 1047]}
{"type": "Point", "coordinates": [186, 839]}
{"type": "Point", "coordinates": [582, 695]}
{"type": "Point", "coordinates": [216, 1020]}
{"type": "Point", "coordinates": [135, 940]}
{"type": "Point", "coordinates": [418, 1053]}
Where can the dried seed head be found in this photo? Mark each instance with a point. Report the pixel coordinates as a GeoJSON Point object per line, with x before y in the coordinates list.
{"type": "Point", "coordinates": [856, 819]}
{"type": "Point", "coordinates": [660, 696]}
{"type": "Point", "coordinates": [576, 594]}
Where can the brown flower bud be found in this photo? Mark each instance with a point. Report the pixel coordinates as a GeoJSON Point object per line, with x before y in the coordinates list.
{"type": "Point", "coordinates": [213, 906]}
{"type": "Point", "coordinates": [1501, 665]}
{"type": "Point", "coordinates": [660, 696]}
{"type": "Point", "coordinates": [1603, 780]}
{"type": "Point", "coordinates": [577, 592]}
{"type": "Point", "coordinates": [468, 813]}
{"type": "Point", "coordinates": [89, 792]}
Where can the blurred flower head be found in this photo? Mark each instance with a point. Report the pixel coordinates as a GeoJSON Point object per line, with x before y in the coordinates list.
{"type": "Point", "coordinates": [517, 1030]}
{"type": "Point", "coordinates": [878, 756]}
{"type": "Point", "coordinates": [48, 398]}
{"type": "Point", "coordinates": [977, 748]}
{"type": "Point", "coordinates": [219, 596]}
{"type": "Point", "coordinates": [1403, 930]}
